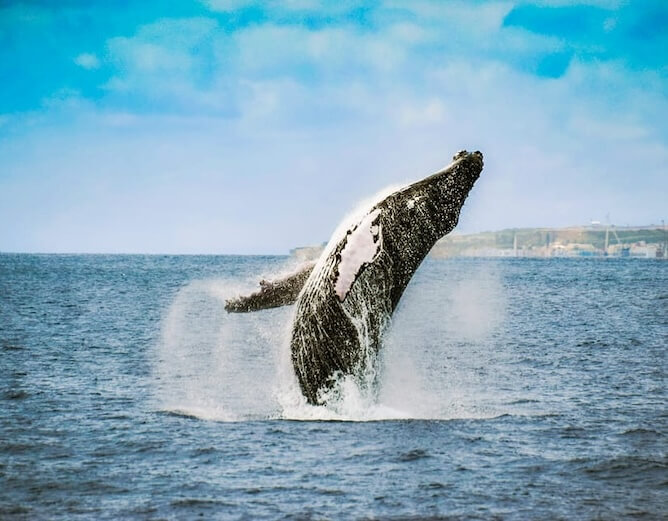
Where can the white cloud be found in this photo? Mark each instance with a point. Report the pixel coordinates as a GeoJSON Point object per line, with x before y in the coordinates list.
{"type": "Point", "coordinates": [227, 6]}
{"type": "Point", "coordinates": [430, 112]}
{"type": "Point", "coordinates": [165, 45]}
{"type": "Point", "coordinates": [468, 17]}
{"type": "Point", "coordinates": [147, 58]}
{"type": "Point", "coordinates": [87, 61]}
{"type": "Point", "coordinates": [603, 4]}
{"type": "Point", "coordinates": [322, 7]}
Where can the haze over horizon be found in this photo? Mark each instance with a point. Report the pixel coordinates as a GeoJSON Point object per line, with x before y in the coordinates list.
{"type": "Point", "coordinates": [248, 127]}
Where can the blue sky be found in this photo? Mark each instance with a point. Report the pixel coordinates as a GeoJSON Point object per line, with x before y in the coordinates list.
{"type": "Point", "coordinates": [243, 126]}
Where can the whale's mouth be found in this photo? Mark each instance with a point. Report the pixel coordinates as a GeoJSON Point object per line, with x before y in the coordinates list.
{"type": "Point", "coordinates": [477, 164]}
{"type": "Point", "coordinates": [473, 161]}
{"type": "Point", "coordinates": [464, 170]}
{"type": "Point", "coordinates": [465, 166]}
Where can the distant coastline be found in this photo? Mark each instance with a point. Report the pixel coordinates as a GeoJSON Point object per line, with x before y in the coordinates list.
{"type": "Point", "coordinates": [596, 240]}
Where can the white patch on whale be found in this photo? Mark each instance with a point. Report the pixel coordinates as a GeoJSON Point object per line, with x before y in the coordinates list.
{"type": "Point", "coordinates": [361, 247]}
{"type": "Point", "coordinates": [410, 204]}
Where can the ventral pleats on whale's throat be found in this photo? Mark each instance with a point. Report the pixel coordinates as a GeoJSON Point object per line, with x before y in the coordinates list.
{"type": "Point", "coordinates": [362, 245]}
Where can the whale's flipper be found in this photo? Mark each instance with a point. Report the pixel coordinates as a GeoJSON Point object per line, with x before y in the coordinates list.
{"type": "Point", "coordinates": [272, 294]}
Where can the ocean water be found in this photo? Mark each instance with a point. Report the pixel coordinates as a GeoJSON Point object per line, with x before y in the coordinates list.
{"type": "Point", "coordinates": [507, 389]}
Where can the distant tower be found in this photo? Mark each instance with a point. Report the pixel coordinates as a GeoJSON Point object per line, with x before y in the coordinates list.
{"type": "Point", "coordinates": [607, 233]}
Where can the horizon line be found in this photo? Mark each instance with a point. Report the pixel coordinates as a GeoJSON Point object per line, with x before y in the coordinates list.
{"type": "Point", "coordinates": [600, 225]}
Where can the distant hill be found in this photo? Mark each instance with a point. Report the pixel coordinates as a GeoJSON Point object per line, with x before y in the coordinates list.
{"type": "Point", "coordinates": [544, 242]}
{"type": "Point", "coordinates": [577, 241]}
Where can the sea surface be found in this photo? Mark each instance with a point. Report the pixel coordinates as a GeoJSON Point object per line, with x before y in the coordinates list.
{"type": "Point", "coordinates": [507, 389]}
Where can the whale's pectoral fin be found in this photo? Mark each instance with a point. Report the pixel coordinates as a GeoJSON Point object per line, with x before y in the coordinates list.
{"type": "Point", "coordinates": [272, 294]}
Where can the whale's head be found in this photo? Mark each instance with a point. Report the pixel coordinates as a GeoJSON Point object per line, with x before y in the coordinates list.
{"type": "Point", "coordinates": [448, 189]}
{"type": "Point", "coordinates": [463, 172]}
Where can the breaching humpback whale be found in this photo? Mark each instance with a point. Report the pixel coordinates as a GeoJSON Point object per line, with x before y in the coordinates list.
{"type": "Point", "coordinates": [345, 301]}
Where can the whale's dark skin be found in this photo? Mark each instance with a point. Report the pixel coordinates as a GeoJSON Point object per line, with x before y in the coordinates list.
{"type": "Point", "coordinates": [337, 335]}
{"type": "Point", "coordinates": [349, 296]}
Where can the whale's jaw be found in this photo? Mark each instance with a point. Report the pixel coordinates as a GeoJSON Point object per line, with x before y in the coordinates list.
{"type": "Point", "coordinates": [350, 295]}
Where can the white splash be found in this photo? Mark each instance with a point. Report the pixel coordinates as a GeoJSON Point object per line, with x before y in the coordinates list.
{"type": "Point", "coordinates": [362, 247]}
{"type": "Point", "coordinates": [345, 402]}
{"type": "Point", "coordinates": [213, 365]}
{"type": "Point", "coordinates": [439, 361]}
